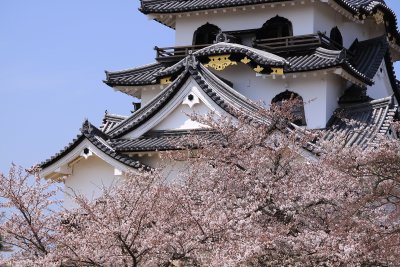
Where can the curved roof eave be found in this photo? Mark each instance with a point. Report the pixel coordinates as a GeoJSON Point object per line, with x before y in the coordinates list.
{"type": "Point", "coordinates": [97, 139]}
{"type": "Point", "coordinates": [139, 76]}
{"type": "Point", "coordinates": [219, 92]}
{"type": "Point", "coordinates": [257, 56]}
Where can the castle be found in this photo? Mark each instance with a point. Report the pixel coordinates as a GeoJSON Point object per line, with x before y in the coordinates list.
{"type": "Point", "coordinates": [334, 55]}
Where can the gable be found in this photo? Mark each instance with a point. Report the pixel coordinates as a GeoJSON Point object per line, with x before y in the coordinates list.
{"type": "Point", "coordinates": [174, 115]}
{"type": "Point", "coordinates": [382, 87]}
{"type": "Point", "coordinates": [89, 177]}
{"type": "Point", "coordinates": [84, 150]}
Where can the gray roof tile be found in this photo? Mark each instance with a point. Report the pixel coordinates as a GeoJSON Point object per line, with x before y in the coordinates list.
{"type": "Point", "coordinates": [144, 75]}
{"type": "Point", "coordinates": [368, 55]}
{"type": "Point", "coordinates": [360, 124]}
{"type": "Point", "coordinates": [221, 93]}
{"type": "Point", "coordinates": [356, 7]}
{"type": "Point", "coordinates": [172, 6]}
{"type": "Point", "coordinates": [110, 121]}
{"type": "Point", "coordinates": [322, 58]}
{"type": "Point", "coordinates": [99, 140]}
{"type": "Point", "coordinates": [164, 140]}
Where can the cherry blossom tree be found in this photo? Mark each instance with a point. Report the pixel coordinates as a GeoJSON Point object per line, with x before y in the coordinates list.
{"type": "Point", "coordinates": [29, 223]}
{"type": "Point", "coordinates": [252, 195]}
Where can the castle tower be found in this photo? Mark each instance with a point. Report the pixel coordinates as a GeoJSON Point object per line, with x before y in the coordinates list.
{"type": "Point", "coordinates": [335, 55]}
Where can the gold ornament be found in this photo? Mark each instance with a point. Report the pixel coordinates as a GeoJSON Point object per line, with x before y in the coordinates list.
{"type": "Point", "coordinates": [258, 69]}
{"type": "Point", "coordinates": [277, 71]}
{"type": "Point", "coordinates": [166, 80]}
{"type": "Point", "coordinates": [245, 60]}
{"type": "Point", "coordinates": [220, 62]}
{"type": "Point", "coordinates": [379, 17]}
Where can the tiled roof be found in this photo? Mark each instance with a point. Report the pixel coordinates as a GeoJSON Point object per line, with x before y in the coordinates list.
{"type": "Point", "coordinates": [359, 8]}
{"type": "Point", "coordinates": [99, 140]}
{"type": "Point", "coordinates": [222, 94]}
{"type": "Point", "coordinates": [392, 76]}
{"type": "Point", "coordinates": [362, 62]}
{"type": "Point", "coordinates": [163, 140]}
{"type": "Point", "coordinates": [144, 75]}
{"type": "Point", "coordinates": [110, 121]}
{"type": "Point", "coordinates": [368, 55]}
{"type": "Point", "coordinates": [317, 59]}
{"type": "Point", "coordinates": [68, 148]}
{"type": "Point", "coordinates": [257, 56]}
{"type": "Point", "coordinates": [149, 110]}
{"type": "Point", "coordinates": [321, 58]}
{"type": "Point", "coordinates": [360, 124]}
{"type": "Point", "coordinates": [174, 6]}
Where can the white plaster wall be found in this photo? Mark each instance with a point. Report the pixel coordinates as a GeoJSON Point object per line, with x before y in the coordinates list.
{"type": "Point", "coordinates": [179, 120]}
{"type": "Point", "coordinates": [335, 89]}
{"type": "Point", "coordinates": [382, 87]}
{"type": "Point", "coordinates": [301, 16]}
{"type": "Point", "coordinates": [326, 18]}
{"type": "Point", "coordinates": [306, 19]}
{"type": "Point", "coordinates": [89, 176]}
{"type": "Point", "coordinates": [173, 115]}
{"type": "Point", "coordinates": [170, 169]}
{"type": "Point", "coordinates": [313, 90]}
{"type": "Point", "coordinates": [148, 94]}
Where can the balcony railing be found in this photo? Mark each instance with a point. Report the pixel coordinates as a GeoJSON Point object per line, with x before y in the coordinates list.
{"type": "Point", "coordinates": [299, 42]}
{"type": "Point", "coordinates": [273, 45]}
{"type": "Point", "coordinates": [177, 52]}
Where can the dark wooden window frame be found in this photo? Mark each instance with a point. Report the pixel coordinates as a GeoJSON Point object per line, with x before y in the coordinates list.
{"type": "Point", "coordinates": [275, 27]}
{"type": "Point", "coordinates": [205, 34]}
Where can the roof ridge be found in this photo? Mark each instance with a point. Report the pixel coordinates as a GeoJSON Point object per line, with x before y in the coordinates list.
{"type": "Point", "coordinates": [257, 55]}
{"type": "Point", "coordinates": [358, 9]}
{"type": "Point", "coordinates": [94, 136]}
{"type": "Point", "coordinates": [135, 68]}
{"type": "Point", "coordinates": [372, 103]}
{"type": "Point", "coordinates": [147, 109]}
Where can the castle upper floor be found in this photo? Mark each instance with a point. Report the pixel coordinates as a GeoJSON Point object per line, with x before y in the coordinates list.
{"type": "Point", "coordinates": [251, 23]}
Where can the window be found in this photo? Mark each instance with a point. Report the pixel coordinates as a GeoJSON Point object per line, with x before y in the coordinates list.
{"type": "Point", "coordinates": [297, 109]}
{"type": "Point", "coordinates": [275, 28]}
{"type": "Point", "coordinates": [205, 34]}
{"type": "Point", "coordinates": [336, 37]}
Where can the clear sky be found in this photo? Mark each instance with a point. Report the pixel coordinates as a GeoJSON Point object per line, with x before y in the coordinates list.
{"type": "Point", "coordinates": [53, 54]}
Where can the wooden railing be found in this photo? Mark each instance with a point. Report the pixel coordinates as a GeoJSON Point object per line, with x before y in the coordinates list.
{"type": "Point", "coordinates": [176, 52]}
{"type": "Point", "coordinates": [273, 45]}
{"type": "Point", "coordinates": [291, 43]}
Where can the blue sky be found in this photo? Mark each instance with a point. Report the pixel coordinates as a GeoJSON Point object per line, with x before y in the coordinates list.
{"type": "Point", "coordinates": [53, 54]}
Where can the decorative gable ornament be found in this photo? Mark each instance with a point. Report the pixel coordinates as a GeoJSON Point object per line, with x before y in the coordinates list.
{"type": "Point", "coordinates": [258, 69]}
{"type": "Point", "coordinates": [379, 17]}
{"type": "Point", "coordinates": [166, 80]}
{"type": "Point", "coordinates": [245, 60]}
{"type": "Point", "coordinates": [86, 153]}
{"type": "Point", "coordinates": [191, 61]}
{"type": "Point", "coordinates": [277, 71]}
{"type": "Point", "coordinates": [220, 62]}
{"type": "Point", "coordinates": [191, 99]}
